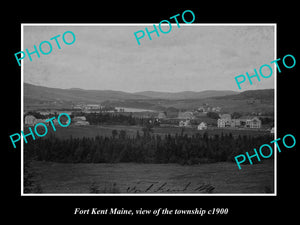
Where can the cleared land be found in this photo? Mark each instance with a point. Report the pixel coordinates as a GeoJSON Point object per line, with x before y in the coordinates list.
{"type": "Point", "coordinates": [154, 178]}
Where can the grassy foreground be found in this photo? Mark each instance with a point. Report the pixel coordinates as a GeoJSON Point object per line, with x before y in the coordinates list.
{"type": "Point", "coordinates": [222, 177]}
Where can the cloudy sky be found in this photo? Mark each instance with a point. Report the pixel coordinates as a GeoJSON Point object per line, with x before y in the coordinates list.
{"type": "Point", "coordinates": [189, 58]}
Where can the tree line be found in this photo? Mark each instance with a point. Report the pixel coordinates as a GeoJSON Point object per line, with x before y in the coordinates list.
{"type": "Point", "coordinates": [108, 118]}
{"type": "Point", "coordinates": [143, 148]}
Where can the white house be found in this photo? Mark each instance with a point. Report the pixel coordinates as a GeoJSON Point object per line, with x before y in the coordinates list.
{"type": "Point", "coordinates": [30, 120]}
{"type": "Point", "coordinates": [81, 123]}
{"type": "Point", "coordinates": [79, 118]}
{"type": "Point", "coordinates": [186, 123]}
{"type": "Point", "coordinates": [253, 122]}
{"type": "Point", "coordinates": [44, 113]}
{"type": "Point", "coordinates": [202, 126]}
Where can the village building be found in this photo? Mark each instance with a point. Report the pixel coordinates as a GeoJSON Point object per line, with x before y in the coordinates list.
{"type": "Point", "coordinates": [206, 108]}
{"type": "Point", "coordinates": [224, 120]}
{"type": "Point", "coordinates": [186, 123]}
{"type": "Point", "coordinates": [92, 107]}
{"type": "Point", "coordinates": [79, 118]}
{"type": "Point", "coordinates": [87, 107]}
{"type": "Point", "coordinates": [30, 120]}
{"type": "Point", "coordinates": [77, 107]}
{"type": "Point", "coordinates": [201, 109]}
{"type": "Point", "coordinates": [80, 121]}
{"type": "Point", "coordinates": [253, 123]}
{"type": "Point", "coordinates": [250, 122]}
{"type": "Point", "coordinates": [247, 122]}
{"type": "Point", "coordinates": [162, 115]}
{"type": "Point", "coordinates": [216, 109]}
{"type": "Point", "coordinates": [235, 123]}
{"type": "Point", "coordinates": [44, 113]}
{"type": "Point", "coordinates": [202, 126]}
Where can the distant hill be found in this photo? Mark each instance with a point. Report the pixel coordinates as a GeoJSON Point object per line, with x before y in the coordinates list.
{"type": "Point", "coordinates": [185, 94]}
{"type": "Point", "coordinates": [258, 94]}
{"type": "Point", "coordinates": [39, 93]}
{"type": "Point", "coordinates": [263, 94]}
{"type": "Point", "coordinates": [38, 97]}
{"type": "Point", "coordinates": [244, 102]}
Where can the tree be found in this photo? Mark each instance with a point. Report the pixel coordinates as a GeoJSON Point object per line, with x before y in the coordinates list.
{"type": "Point", "coordinates": [182, 131]}
{"type": "Point", "coordinates": [147, 128]}
{"type": "Point", "coordinates": [114, 133]}
{"type": "Point", "coordinates": [169, 148]}
{"type": "Point", "coordinates": [138, 136]}
{"type": "Point", "coordinates": [235, 115]}
{"type": "Point", "coordinates": [122, 134]}
{"type": "Point", "coordinates": [213, 115]}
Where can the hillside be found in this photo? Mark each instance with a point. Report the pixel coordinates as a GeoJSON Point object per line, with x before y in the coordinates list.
{"type": "Point", "coordinates": [185, 94]}
{"type": "Point", "coordinates": [244, 102]}
{"type": "Point", "coordinates": [34, 93]}
{"type": "Point", "coordinates": [263, 94]}
{"type": "Point", "coordinates": [38, 97]}
{"type": "Point", "coordinates": [38, 93]}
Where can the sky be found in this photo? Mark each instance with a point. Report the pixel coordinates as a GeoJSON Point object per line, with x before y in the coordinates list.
{"type": "Point", "coordinates": [190, 58]}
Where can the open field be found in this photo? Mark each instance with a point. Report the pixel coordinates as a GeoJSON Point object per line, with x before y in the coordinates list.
{"type": "Point", "coordinates": [221, 177]}
{"type": "Point", "coordinates": [106, 130]}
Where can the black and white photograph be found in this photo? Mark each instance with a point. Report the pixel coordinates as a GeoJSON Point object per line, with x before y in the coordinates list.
{"type": "Point", "coordinates": [105, 113]}
{"type": "Point", "coordinates": [150, 112]}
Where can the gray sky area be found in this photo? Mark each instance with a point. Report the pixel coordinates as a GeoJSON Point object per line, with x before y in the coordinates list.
{"type": "Point", "coordinates": [189, 58]}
